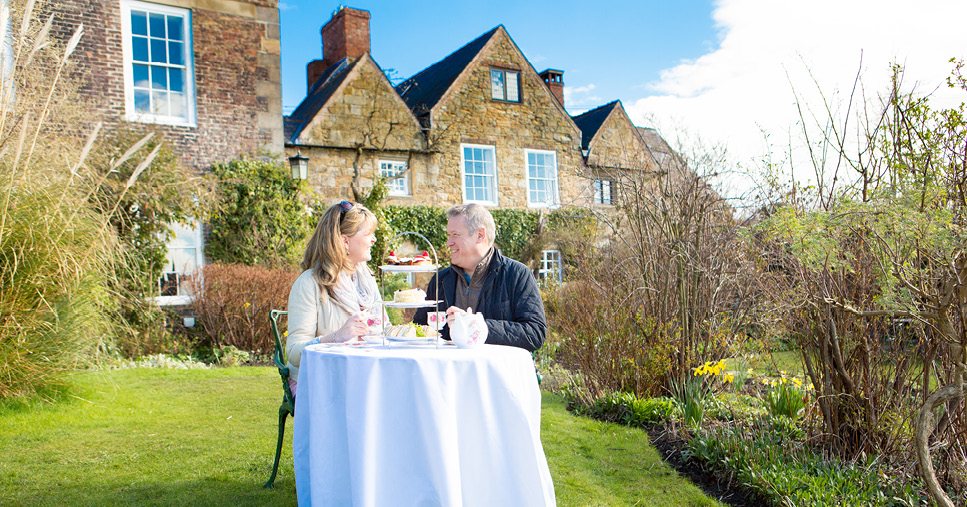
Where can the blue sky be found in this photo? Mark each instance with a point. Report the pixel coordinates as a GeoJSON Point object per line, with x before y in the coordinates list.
{"type": "Point", "coordinates": [617, 47]}
{"type": "Point", "coordinates": [717, 72]}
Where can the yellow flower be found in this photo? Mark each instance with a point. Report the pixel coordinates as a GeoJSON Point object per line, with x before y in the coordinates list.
{"type": "Point", "coordinates": [783, 373]}
{"type": "Point", "coordinates": [749, 371]}
{"type": "Point", "coordinates": [728, 378]}
{"type": "Point", "coordinates": [783, 380]}
{"type": "Point", "coordinates": [247, 305]}
{"type": "Point", "coordinates": [285, 333]}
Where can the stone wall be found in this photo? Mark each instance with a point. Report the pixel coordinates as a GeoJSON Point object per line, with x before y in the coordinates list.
{"type": "Point", "coordinates": [468, 115]}
{"type": "Point", "coordinates": [618, 144]}
{"type": "Point", "coordinates": [238, 90]}
{"type": "Point", "coordinates": [365, 112]}
{"type": "Point", "coordinates": [465, 115]}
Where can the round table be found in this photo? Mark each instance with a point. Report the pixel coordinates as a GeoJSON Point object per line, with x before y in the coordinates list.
{"type": "Point", "coordinates": [419, 425]}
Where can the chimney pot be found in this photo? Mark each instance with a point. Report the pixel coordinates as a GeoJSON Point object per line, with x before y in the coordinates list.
{"type": "Point", "coordinates": [554, 79]}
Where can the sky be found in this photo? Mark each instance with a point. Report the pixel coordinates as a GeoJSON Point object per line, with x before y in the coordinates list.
{"type": "Point", "coordinates": [726, 72]}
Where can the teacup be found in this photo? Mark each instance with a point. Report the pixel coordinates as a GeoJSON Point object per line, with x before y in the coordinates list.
{"type": "Point", "coordinates": [468, 329]}
{"type": "Point", "coordinates": [433, 318]}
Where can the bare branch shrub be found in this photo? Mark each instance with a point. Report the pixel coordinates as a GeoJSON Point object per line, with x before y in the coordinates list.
{"type": "Point", "coordinates": [232, 304]}
{"type": "Point", "coordinates": [672, 287]}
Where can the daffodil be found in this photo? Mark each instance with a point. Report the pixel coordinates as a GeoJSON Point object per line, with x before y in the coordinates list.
{"type": "Point", "coordinates": [248, 304]}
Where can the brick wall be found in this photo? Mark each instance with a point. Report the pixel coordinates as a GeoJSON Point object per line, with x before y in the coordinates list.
{"type": "Point", "coordinates": [345, 35]}
{"type": "Point", "coordinates": [237, 73]}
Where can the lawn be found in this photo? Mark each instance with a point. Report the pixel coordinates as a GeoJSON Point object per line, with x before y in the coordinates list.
{"type": "Point", "coordinates": [206, 437]}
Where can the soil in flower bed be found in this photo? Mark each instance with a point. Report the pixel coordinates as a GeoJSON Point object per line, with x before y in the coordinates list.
{"type": "Point", "coordinates": [671, 445]}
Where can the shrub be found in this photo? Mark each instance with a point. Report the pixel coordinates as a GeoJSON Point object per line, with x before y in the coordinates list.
{"type": "Point", "coordinates": [264, 215]}
{"type": "Point", "coordinates": [232, 305]}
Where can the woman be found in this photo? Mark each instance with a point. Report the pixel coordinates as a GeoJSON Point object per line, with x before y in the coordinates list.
{"type": "Point", "coordinates": [336, 295]}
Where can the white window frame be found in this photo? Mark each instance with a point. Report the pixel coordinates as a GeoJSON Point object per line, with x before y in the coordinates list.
{"type": "Point", "coordinates": [504, 87]}
{"type": "Point", "coordinates": [598, 191]}
{"type": "Point", "coordinates": [551, 265]}
{"type": "Point", "coordinates": [556, 190]}
{"type": "Point", "coordinates": [130, 114]}
{"type": "Point", "coordinates": [399, 187]}
{"type": "Point", "coordinates": [184, 297]}
{"type": "Point", "coordinates": [463, 174]}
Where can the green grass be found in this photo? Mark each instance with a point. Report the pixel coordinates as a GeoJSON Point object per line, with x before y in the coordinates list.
{"type": "Point", "coordinates": [206, 437]}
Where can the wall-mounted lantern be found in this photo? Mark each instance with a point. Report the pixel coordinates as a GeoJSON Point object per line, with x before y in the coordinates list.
{"type": "Point", "coordinates": [300, 166]}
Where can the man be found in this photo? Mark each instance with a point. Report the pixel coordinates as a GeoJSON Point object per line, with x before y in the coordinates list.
{"type": "Point", "coordinates": [479, 278]}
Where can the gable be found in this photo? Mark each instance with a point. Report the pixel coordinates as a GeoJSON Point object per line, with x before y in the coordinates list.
{"type": "Point", "coordinates": [469, 94]}
{"type": "Point", "coordinates": [363, 110]}
{"type": "Point", "coordinates": [617, 144]}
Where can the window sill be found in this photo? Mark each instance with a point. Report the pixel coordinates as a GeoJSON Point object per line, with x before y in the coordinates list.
{"type": "Point", "coordinates": [172, 300]}
{"type": "Point", "coordinates": [159, 120]}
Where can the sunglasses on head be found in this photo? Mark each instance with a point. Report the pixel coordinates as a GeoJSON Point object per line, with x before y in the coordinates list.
{"type": "Point", "coordinates": [344, 207]}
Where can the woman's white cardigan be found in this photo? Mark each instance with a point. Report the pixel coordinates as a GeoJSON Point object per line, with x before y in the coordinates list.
{"type": "Point", "coordinates": [311, 313]}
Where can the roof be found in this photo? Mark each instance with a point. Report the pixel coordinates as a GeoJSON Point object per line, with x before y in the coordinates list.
{"type": "Point", "coordinates": [590, 121]}
{"type": "Point", "coordinates": [320, 93]}
{"type": "Point", "coordinates": [659, 147]}
{"type": "Point", "coordinates": [422, 91]}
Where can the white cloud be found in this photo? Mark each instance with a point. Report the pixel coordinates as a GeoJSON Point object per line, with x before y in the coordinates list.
{"type": "Point", "coordinates": [770, 47]}
{"type": "Point", "coordinates": [579, 98]}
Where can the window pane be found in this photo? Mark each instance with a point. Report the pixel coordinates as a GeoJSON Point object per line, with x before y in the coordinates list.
{"type": "Point", "coordinates": [159, 78]}
{"type": "Point", "coordinates": [497, 84]}
{"type": "Point", "coordinates": [175, 28]}
{"type": "Point", "coordinates": [142, 102]}
{"type": "Point", "coordinates": [159, 103]}
{"type": "Point", "coordinates": [488, 155]}
{"type": "Point", "coordinates": [158, 53]}
{"type": "Point", "coordinates": [139, 23]}
{"type": "Point", "coordinates": [176, 51]}
{"type": "Point", "coordinates": [176, 80]}
{"type": "Point", "coordinates": [512, 94]}
{"type": "Point", "coordinates": [177, 105]}
{"type": "Point", "coordinates": [139, 49]}
{"type": "Point", "coordinates": [157, 24]}
{"type": "Point", "coordinates": [141, 76]}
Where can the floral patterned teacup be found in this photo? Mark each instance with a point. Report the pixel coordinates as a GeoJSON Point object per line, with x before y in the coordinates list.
{"type": "Point", "coordinates": [468, 329]}
{"type": "Point", "coordinates": [436, 319]}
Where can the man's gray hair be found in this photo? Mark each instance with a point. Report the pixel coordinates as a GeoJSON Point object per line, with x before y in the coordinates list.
{"type": "Point", "coordinates": [477, 216]}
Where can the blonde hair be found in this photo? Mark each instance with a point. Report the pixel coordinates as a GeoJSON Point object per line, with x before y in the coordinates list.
{"type": "Point", "coordinates": [325, 254]}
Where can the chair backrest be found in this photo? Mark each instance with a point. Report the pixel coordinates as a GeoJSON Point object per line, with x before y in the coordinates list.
{"type": "Point", "coordinates": [278, 357]}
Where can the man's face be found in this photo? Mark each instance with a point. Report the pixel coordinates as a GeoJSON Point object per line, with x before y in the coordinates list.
{"type": "Point", "coordinates": [466, 247]}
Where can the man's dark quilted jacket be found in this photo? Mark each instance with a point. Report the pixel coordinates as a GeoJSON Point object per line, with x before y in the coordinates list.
{"type": "Point", "coordinates": [510, 302]}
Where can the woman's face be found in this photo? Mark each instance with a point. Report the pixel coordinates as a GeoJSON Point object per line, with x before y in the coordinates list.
{"type": "Point", "coordinates": [358, 244]}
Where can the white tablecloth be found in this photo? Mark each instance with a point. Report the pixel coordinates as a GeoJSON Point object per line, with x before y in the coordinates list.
{"type": "Point", "coordinates": [409, 426]}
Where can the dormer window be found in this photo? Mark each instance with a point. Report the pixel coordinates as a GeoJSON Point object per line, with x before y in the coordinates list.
{"type": "Point", "coordinates": [504, 85]}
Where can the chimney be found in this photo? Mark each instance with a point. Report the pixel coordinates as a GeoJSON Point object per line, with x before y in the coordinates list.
{"type": "Point", "coordinates": [554, 79]}
{"type": "Point", "coordinates": [345, 35]}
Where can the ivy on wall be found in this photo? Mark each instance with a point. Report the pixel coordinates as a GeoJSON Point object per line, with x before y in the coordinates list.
{"type": "Point", "coordinates": [518, 233]}
{"type": "Point", "coordinates": [262, 217]}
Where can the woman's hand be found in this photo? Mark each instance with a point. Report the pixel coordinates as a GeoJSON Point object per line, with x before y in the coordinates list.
{"type": "Point", "coordinates": [353, 328]}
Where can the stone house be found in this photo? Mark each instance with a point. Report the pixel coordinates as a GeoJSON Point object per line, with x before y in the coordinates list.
{"type": "Point", "coordinates": [481, 125]}
{"type": "Point", "coordinates": [203, 73]}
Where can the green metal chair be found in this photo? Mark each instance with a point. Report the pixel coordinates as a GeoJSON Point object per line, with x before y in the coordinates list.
{"type": "Point", "coordinates": [288, 401]}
